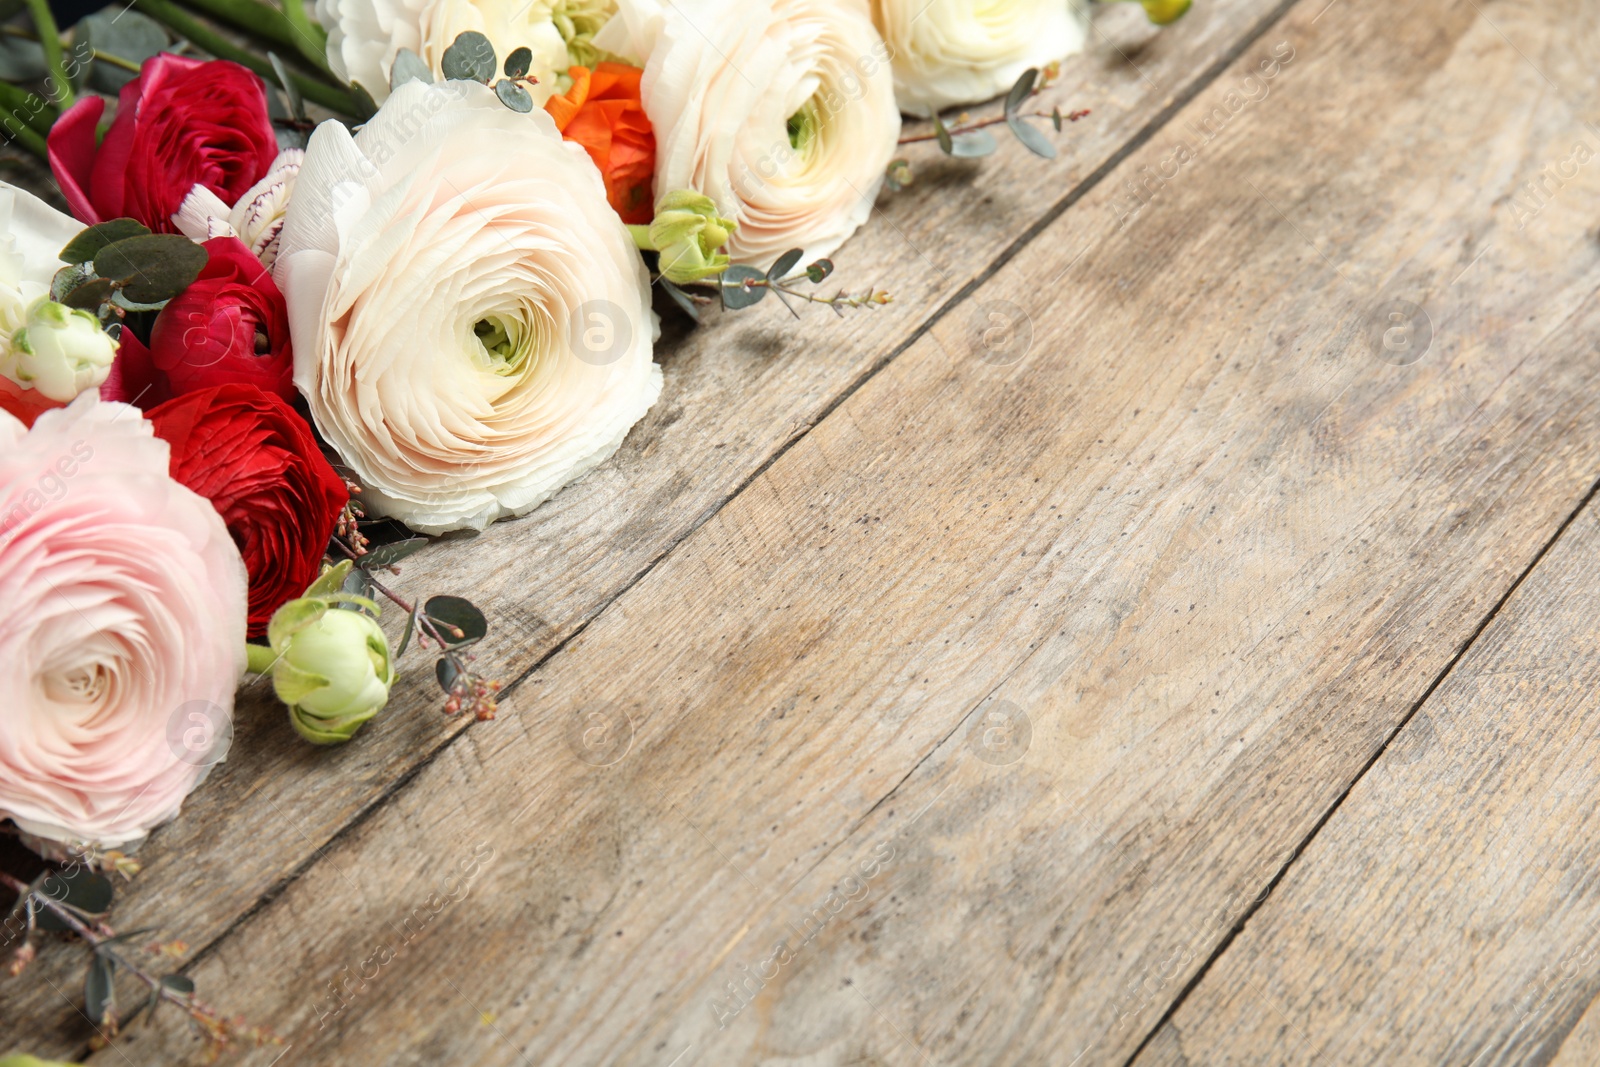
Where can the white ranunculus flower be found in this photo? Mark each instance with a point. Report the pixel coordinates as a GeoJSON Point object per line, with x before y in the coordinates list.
{"type": "Point", "coordinates": [364, 36]}
{"type": "Point", "coordinates": [471, 320]}
{"type": "Point", "coordinates": [948, 53]}
{"type": "Point", "coordinates": [32, 234]}
{"type": "Point", "coordinates": [256, 219]}
{"type": "Point", "coordinates": [781, 111]}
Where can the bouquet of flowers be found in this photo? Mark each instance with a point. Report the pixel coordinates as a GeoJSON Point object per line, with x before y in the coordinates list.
{"type": "Point", "coordinates": [338, 281]}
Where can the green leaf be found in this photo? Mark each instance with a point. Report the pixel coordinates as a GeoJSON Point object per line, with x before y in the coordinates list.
{"type": "Point", "coordinates": [331, 580]}
{"type": "Point", "coordinates": [121, 301]}
{"type": "Point", "coordinates": [469, 58]}
{"type": "Point", "coordinates": [84, 247]}
{"type": "Point", "coordinates": [447, 672]}
{"type": "Point", "coordinates": [386, 555]}
{"type": "Point", "coordinates": [21, 61]}
{"type": "Point", "coordinates": [179, 984]}
{"type": "Point", "coordinates": [90, 295]}
{"type": "Point", "coordinates": [408, 67]}
{"type": "Point", "coordinates": [735, 294]}
{"type": "Point", "coordinates": [455, 611]}
{"type": "Point", "coordinates": [69, 278]}
{"type": "Point", "coordinates": [942, 135]}
{"type": "Point", "coordinates": [366, 106]}
{"type": "Point", "coordinates": [785, 263]}
{"type": "Point", "coordinates": [1021, 89]}
{"type": "Point", "coordinates": [297, 106]}
{"type": "Point", "coordinates": [1031, 138]}
{"type": "Point", "coordinates": [80, 888]}
{"type": "Point", "coordinates": [99, 991]}
{"type": "Point", "coordinates": [973, 144]}
{"type": "Point", "coordinates": [518, 62]}
{"type": "Point", "coordinates": [153, 267]}
{"type": "Point", "coordinates": [411, 626]}
{"type": "Point", "coordinates": [357, 583]}
{"type": "Point", "coordinates": [1055, 118]}
{"type": "Point", "coordinates": [122, 33]}
{"type": "Point", "coordinates": [819, 270]}
{"type": "Point", "coordinates": [513, 96]}
{"type": "Point", "coordinates": [681, 298]}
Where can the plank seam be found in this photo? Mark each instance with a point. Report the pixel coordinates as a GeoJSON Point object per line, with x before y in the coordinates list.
{"type": "Point", "coordinates": [1143, 136]}
{"type": "Point", "coordinates": [1305, 842]}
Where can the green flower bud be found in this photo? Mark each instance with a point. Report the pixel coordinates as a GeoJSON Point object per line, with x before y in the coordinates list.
{"type": "Point", "coordinates": [687, 231]}
{"type": "Point", "coordinates": [332, 665]}
{"type": "Point", "coordinates": [59, 351]}
{"type": "Point", "coordinates": [1164, 12]}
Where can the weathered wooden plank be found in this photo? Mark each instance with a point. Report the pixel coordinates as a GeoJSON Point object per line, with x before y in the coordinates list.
{"type": "Point", "coordinates": [1209, 544]}
{"type": "Point", "coordinates": [736, 393]}
{"type": "Point", "coordinates": [1448, 912]}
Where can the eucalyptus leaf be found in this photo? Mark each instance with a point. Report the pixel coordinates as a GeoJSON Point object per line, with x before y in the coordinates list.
{"type": "Point", "coordinates": [513, 96]}
{"type": "Point", "coordinates": [942, 135]}
{"type": "Point", "coordinates": [1020, 90]}
{"type": "Point", "coordinates": [447, 611]}
{"type": "Point", "coordinates": [122, 33]}
{"type": "Point", "coordinates": [735, 294]}
{"type": "Point", "coordinates": [153, 267]}
{"type": "Point", "coordinates": [90, 295]}
{"type": "Point", "coordinates": [118, 300]}
{"type": "Point", "coordinates": [21, 61]}
{"type": "Point", "coordinates": [178, 983]}
{"type": "Point", "coordinates": [470, 57]}
{"type": "Point", "coordinates": [819, 270]}
{"type": "Point", "coordinates": [408, 67]}
{"type": "Point", "coordinates": [80, 888]}
{"type": "Point", "coordinates": [786, 263]}
{"type": "Point", "coordinates": [973, 145]}
{"type": "Point", "coordinates": [366, 106]}
{"type": "Point", "coordinates": [84, 247]}
{"type": "Point", "coordinates": [1035, 141]}
{"type": "Point", "coordinates": [447, 672]}
{"type": "Point", "coordinates": [518, 62]}
{"type": "Point", "coordinates": [297, 106]}
{"type": "Point", "coordinates": [681, 298]}
{"type": "Point", "coordinates": [385, 555]}
{"type": "Point", "coordinates": [69, 278]}
{"type": "Point", "coordinates": [358, 583]}
{"type": "Point", "coordinates": [1055, 118]}
{"type": "Point", "coordinates": [99, 989]}
{"type": "Point", "coordinates": [405, 638]}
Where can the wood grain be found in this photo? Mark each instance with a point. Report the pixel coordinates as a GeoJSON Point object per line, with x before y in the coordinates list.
{"type": "Point", "coordinates": [1449, 912]}
{"type": "Point", "coordinates": [1005, 690]}
{"type": "Point", "coordinates": [737, 392]}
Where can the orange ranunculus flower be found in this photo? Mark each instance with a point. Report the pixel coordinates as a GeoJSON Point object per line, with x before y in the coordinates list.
{"type": "Point", "coordinates": [602, 112]}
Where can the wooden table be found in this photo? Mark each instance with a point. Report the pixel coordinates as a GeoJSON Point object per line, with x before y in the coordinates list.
{"type": "Point", "coordinates": [1164, 635]}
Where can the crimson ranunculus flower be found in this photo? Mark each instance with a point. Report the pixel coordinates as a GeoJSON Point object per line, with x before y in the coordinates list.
{"type": "Point", "coordinates": [602, 112]}
{"type": "Point", "coordinates": [230, 325]}
{"type": "Point", "coordinates": [181, 122]}
{"type": "Point", "coordinates": [254, 458]}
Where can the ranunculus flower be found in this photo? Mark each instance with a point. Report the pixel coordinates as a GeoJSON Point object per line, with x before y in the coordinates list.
{"type": "Point", "coordinates": [59, 351]}
{"type": "Point", "coordinates": [782, 111]}
{"type": "Point", "coordinates": [688, 234]}
{"type": "Point", "coordinates": [602, 112]}
{"type": "Point", "coordinates": [123, 627]}
{"type": "Point", "coordinates": [182, 122]}
{"type": "Point", "coordinates": [953, 52]}
{"type": "Point", "coordinates": [32, 233]}
{"type": "Point", "coordinates": [331, 666]}
{"type": "Point", "coordinates": [364, 36]}
{"type": "Point", "coordinates": [254, 458]}
{"type": "Point", "coordinates": [472, 323]}
{"type": "Point", "coordinates": [230, 325]}
{"type": "Point", "coordinates": [256, 219]}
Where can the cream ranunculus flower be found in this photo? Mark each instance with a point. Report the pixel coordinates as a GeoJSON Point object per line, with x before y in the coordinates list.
{"type": "Point", "coordinates": [364, 36]}
{"type": "Point", "coordinates": [953, 52]}
{"type": "Point", "coordinates": [781, 111]}
{"type": "Point", "coordinates": [471, 319]}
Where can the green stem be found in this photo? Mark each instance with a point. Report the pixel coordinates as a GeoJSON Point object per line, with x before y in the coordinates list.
{"type": "Point", "coordinates": [641, 237]}
{"type": "Point", "coordinates": [15, 129]}
{"type": "Point", "coordinates": [295, 12]}
{"type": "Point", "coordinates": [187, 26]}
{"type": "Point", "coordinates": [268, 23]}
{"type": "Point", "coordinates": [259, 658]}
{"type": "Point", "coordinates": [30, 109]}
{"type": "Point", "coordinates": [50, 41]}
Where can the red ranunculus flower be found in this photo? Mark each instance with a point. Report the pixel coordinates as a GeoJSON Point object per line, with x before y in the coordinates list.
{"type": "Point", "coordinates": [254, 458]}
{"type": "Point", "coordinates": [180, 123]}
{"type": "Point", "coordinates": [602, 112]}
{"type": "Point", "coordinates": [230, 325]}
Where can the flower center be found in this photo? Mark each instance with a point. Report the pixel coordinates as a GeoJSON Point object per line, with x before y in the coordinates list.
{"type": "Point", "coordinates": [803, 127]}
{"type": "Point", "coordinates": [82, 684]}
{"type": "Point", "coordinates": [501, 339]}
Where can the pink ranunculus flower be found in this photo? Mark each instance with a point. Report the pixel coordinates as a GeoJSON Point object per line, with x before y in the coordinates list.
{"type": "Point", "coordinates": [122, 634]}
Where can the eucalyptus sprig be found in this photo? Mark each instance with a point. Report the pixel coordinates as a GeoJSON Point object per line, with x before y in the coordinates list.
{"type": "Point", "coordinates": [740, 286]}
{"type": "Point", "coordinates": [471, 57]}
{"type": "Point", "coordinates": [971, 140]}
{"type": "Point", "coordinates": [119, 266]}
